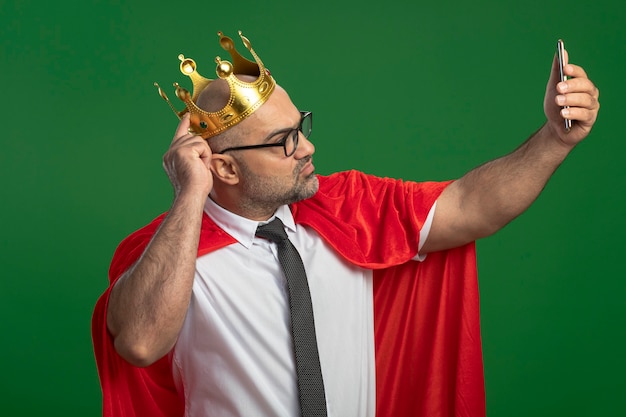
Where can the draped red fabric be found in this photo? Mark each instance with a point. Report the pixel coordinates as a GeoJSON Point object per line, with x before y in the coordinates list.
{"type": "Point", "coordinates": [427, 334]}
{"type": "Point", "coordinates": [427, 331]}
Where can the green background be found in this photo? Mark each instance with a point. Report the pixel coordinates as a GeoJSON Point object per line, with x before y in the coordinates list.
{"type": "Point", "coordinates": [411, 89]}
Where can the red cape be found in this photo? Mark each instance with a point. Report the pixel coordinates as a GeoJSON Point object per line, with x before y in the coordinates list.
{"type": "Point", "coordinates": [427, 330]}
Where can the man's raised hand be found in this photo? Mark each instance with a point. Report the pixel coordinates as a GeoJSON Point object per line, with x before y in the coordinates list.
{"type": "Point", "coordinates": [187, 161]}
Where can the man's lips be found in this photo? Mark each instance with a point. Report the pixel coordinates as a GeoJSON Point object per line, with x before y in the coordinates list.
{"type": "Point", "coordinates": [308, 168]}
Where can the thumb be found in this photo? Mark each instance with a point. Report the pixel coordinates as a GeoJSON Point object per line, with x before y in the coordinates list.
{"type": "Point", "coordinates": [555, 73]}
{"type": "Point", "coordinates": [555, 76]}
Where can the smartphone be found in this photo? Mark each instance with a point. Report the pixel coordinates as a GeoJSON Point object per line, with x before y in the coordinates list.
{"type": "Point", "coordinates": [561, 58]}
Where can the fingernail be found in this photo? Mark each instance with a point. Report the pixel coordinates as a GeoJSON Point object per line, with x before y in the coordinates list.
{"type": "Point", "coordinates": [560, 100]}
{"type": "Point", "coordinates": [562, 87]}
{"type": "Point", "coordinates": [565, 112]}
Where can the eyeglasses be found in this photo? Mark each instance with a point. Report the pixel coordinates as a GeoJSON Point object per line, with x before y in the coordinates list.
{"type": "Point", "coordinates": [289, 142]}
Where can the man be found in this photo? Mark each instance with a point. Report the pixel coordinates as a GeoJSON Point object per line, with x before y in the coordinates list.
{"type": "Point", "coordinates": [196, 321]}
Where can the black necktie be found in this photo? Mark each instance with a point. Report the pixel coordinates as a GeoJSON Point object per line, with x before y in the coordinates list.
{"type": "Point", "coordinates": [309, 372]}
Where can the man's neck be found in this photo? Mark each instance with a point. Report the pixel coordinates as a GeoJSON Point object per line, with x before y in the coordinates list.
{"type": "Point", "coordinates": [252, 213]}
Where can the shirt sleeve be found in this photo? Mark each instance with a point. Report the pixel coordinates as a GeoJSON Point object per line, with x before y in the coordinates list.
{"type": "Point", "coordinates": [420, 257]}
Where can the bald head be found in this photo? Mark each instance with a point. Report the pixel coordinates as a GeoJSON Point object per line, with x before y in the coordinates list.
{"type": "Point", "coordinates": [216, 95]}
{"type": "Point", "coordinates": [266, 117]}
{"type": "Point", "coordinates": [213, 99]}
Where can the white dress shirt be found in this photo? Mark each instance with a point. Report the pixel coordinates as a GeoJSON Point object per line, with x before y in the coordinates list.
{"type": "Point", "coordinates": [234, 355]}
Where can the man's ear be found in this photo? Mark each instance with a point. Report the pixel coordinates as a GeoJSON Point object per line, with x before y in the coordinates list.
{"type": "Point", "coordinates": [225, 169]}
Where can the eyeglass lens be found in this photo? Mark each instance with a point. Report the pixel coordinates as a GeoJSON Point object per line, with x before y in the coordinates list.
{"type": "Point", "coordinates": [291, 141]}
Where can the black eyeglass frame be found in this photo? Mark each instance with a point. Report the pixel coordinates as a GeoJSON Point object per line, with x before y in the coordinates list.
{"type": "Point", "coordinates": [283, 142]}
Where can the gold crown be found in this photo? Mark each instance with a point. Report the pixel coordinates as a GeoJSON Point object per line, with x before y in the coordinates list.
{"type": "Point", "coordinates": [244, 98]}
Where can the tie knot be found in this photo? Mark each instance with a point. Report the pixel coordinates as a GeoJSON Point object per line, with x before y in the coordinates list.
{"type": "Point", "coordinates": [274, 231]}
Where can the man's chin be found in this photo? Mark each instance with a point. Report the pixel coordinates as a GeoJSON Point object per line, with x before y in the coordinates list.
{"type": "Point", "coordinates": [308, 188]}
{"type": "Point", "coordinates": [313, 184]}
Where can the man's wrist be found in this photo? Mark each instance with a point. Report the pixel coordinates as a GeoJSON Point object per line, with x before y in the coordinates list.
{"type": "Point", "coordinates": [190, 199]}
{"type": "Point", "coordinates": [549, 138]}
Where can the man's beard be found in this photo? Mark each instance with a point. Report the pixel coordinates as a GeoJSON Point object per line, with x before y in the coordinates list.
{"type": "Point", "coordinates": [267, 194]}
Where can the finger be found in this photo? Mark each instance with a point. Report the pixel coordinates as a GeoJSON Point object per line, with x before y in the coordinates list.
{"type": "Point", "coordinates": [183, 127]}
{"type": "Point", "coordinates": [192, 140]}
{"type": "Point", "coordinates": [188, 148]}
{"type": "Point", "coordinates": [193, 143]}
{"type": "Point", "coordinates": [577, 85]}
{"type": "Point", "coordinates": [576, 71]}
{"type": "Point", "coordinates": [580, 114]}
{"type": "Point", "coordinates": [584, 100]}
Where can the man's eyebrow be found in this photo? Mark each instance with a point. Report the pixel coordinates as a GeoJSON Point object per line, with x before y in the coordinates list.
{"type": "Point", "coordinates": [280, 131]}
{"type": "Point", "coordinates": [277, 132]}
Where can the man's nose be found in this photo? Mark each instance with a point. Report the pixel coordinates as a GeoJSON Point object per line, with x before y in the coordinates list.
{"type": "Point", "coordinates": [305, 147]}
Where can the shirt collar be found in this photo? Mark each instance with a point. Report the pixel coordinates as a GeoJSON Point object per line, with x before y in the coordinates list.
{"type": "Point", "coordinates": [241, 228]}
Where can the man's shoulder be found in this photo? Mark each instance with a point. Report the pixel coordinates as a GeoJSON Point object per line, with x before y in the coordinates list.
{"type": "Point", "coordinates": [351, 174]}
{"type": "Point", "coordinates": [341, 191]}
{"type": "Point", "coordinates": [146, 231]}
{"type": "Point", "coordinates": [345, 183]}
{"type": "Point", "coordinates": [347, 180]}
{"type": "Point", "coordinates": [132, 246]}
{"type": "Point", "coordinates": [354, 182]}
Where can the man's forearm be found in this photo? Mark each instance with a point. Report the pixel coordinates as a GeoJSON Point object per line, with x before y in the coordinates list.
{"type": "Point", "coordinates": [495, 193]}
{"type": "Point", "coordinates": [488, 197]}
{"type": "Point", "coordinates": [147, 305]}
